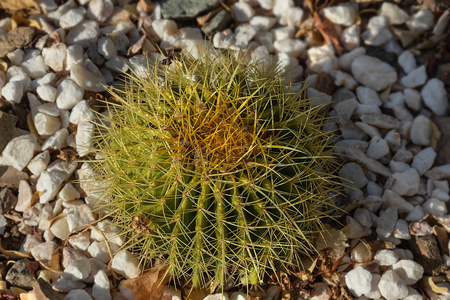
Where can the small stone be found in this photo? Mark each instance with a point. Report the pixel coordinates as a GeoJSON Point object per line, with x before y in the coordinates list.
{"type": "Point", "coordinates": [377, 32]}
{"type": "Point", "coordinates": [125, 264]}
{"type": "Point", "coordinates": [322, 59]}
{"type": "Point", "coordinates": [100, 10]}
{"type": "Point", "coordinates": [373, 72]}
{"type": "Point", "coordinates": [60, 229]}
{"type": "Point", "coordinates": [381, 121]}
{"type": "Point", "coordinates": [441, 194]}
{"type": "Point", "coordinates": [7, 201]}
{"type": "Point", "coordinates": [68, 193]}
{"type": "Point", "coordinates": [401, 230]}
{"type": "Point", "coordinates": [392, 287]}
{"type": "Point", "coordinates": [78, 217]}
{"type": "Point", "coordinates": [84, 137]}
{"type": "Point", "coordinates": [72, 18]}
{"type": "Point", "coordinates": [163, 26]}
{"type": "Point", "coordinates": [386, 222]}
{"type": "Point", "coordinates": [421, 20]}
{"type": "Point", "coordinates": [16, 56]}
{"type": "Point", "coordinates": [39, 163]}
{"type": "Point", "coordinates": [345, 109]}
{"type": "Point", "coordinates": [99, 251]}
{"type": "Point", "coordinates": [242, 11]}
{"type": "Point", "coordinates": [292, 17]}
{"type": "Point", "coordinates": [69, 94]}
{"type": "Point", "coordinates": [77, 295]}
{"type": "Point", "coordinates": [358, 281]}
{"type": "Point", "coordinates": [219, 22]}
{"type": "Point", "coordinates": [345, 60]}
{"type": "Point", "coordinates": [101, 287]}
{"type": "Point", "coordinates": [20, 274]}
{"type": "Point", "coordinates": [234, 296]}
{"type": "Point", "coordinates": [341, 15]}
{"type": "Point", "coordinates": [408, 270]}
{"type": "Point", "coordinates": [317, 98]}
{"type": "Point", "coordinates": [117, 64]}
{"type": "Point", "coordinates": [350, 37]}
{"type": "Point", "coordinates": [46, 124]}
{"type": "Point", "coordinates": [354, 230]}
{"type": "Point", "coordinates": [34, 66]}
{"type": "Point", "coordinates": [354, 173]}
{"type": "Point", "coordinates": [292, 47]}
{"type": "Point", "coordinates": [44, 252]}
{"type": "Point", "coordinates": [393, 13]}
{"type": "Point", "coordinates": [19, 151]}
{"type": "Point", "coordinates": [83, 33]}
{"type": "Point", "coordinates": [80, 241]}
{"type": "Point", "coordinates": [46, 92]}
{"type": "Point", "coordinates": [406, 183]}
{"type": "Point", "coordinates": [442, 23]}
{"type": "Point", "coordinates": [24, 197]}
{"type": "Point", "coordinates": [435, 97]}
{"type": "Point", "coordinates": [65, 286]}
{"type": "Point", "coordinates": [421, 131]}
{"type": "Point", "coordinates": [412, 99]}
{"type": "Point", "coordinates": [370, 163]}
{"type": "Point", "coordinates": [88, 77]}
{"type": "Point", "coordinates": [407, 61]}
{"type": "Point", "coordinates": [55, 56]}
{"type": "Point", "coordinates": [106, 47]}
{"type": "Point", "coordinates": [172, 9]}
{"type": "Point", "coordinates": [77, 270]}
{"type": "Point", "coordinates": [377, 148]}
{"type": "Point", "coordinates": [415, 78]}
{"type": "Point", "coordinates": [435, 207]}
{"type": "Point", "coordinates": [386, 257]}
{"type": "Point", "coordinates": [222, 296]}
{"type": "Point", "coordinates": [391, 198]}
{"type": "Point", "coordinates": [424, 160]}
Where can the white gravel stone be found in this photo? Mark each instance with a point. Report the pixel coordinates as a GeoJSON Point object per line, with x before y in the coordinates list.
{"type": "Point", "coordinates": [392, 287]}
{"type": "Point", "coordinates": [406, 183]}
{"type": "Point", "coordinates": [354, 173]}
{"type": "Point", "coordinates": [421, 131]}
{"type": "Point", "coordinates": [262, 22]}
{"type": "Point", "coordinates": [60, 229]}
{"type": "Point", "coordinates": [13, 91]}
{"type": "Point", "coordinates": [77, 295]}
{"type": "Point", "coordinates": [80, 241]}
{"type": "Point", "coordinates": [84, 33]}
{"type": "Point", "coordinates": [100, 290]}
{"type": "Point", "coordinates": [16, 57]}
{"type": "Point", "coordinates": [242, 11]}
{"type": "Point", "coordinates": [440, 194]}
{"type": "Point", "coordinates": [386, 222]}
{"type": "Point", "coordinates": [355, 230]}
{"type": "Point", "coordinates": [421, 20]}
{"type": "Point", "coordinates": [362, 215]}
{"type": "Point", "coordinates": [100, 10]}
{"type": "Point", "coordinates": [64, 167]}
{"type": "Point", "coordinates": [125, 264]}
{"type": "Point", "coordinates": [386, 257]}
{"type": "Point", "coordinates": [393, 13]}
{"type": "Point", "coordinates": [24, 196]}
{"type": "Point", "coordinates": [377, 148]}
{"type": "Point", "coordinates": [322, 59]}
{"type": "Point", "coordinates": [345, 109]}
{"type": "Point", "coordinates": [69, 94]}
{"type": "Point", "coordinates": [415, 78]}
{"type": "Point", "coordinates": [81, 112]}
{"type": "Point", "coordinates": [341, 15]}
{"type": "Point", "coordinates": [77, 270]}
{"type": "Point", "coordinates": [56, 141]}
{"type": "Point", "coordinates": [350, 37]}
{"type": "Point", "coordinates": [424, 160]}
{"type": "Point", "coordinates": [39, 163]}
{"type": "Point", "coordinates": [49, 183]}
{"type": "Point", "coordinates": [88, 76]}
{"type": "Point", "coordinates": [44, 252]}
{"type": "Point", "coordinates": [99, 250]}
{"type": "Point", "coordinates": [442, 23]}
{"type": "Point", "coordinates": [34, 66]}
{"type": "Point", "coordinates": [84, 137]}
{"type": "Point", "coordinates": [412, 99]}
{"type": "Point", "coordinates": [19, 151]}
{"type": "Point", "coordinates": [46, 92]}
{"type": "Point", "coordinates": [292, 17]}
{"type": "Point", "coordinates": [373, 73]}
{"type": "Point", "coordinates": [406, 60]}
{"type": "Point", "coordinates": [439, 173]}
{"type": "Point", "coordinates": [46, 124]}
{"type": "Point", "coordinates": [72, 18]}
{"type": "Point", "coordinates": [345, 60]}
{"type": "Point", "coordinates": [292, 47]}
{"type": "Point", "coordinates": [367, 96]}
{"type": "Point", "coordinates": [78, 217]}
{"type": "Point", "coordinates": [358, 281]}
{"type": "Point", "coordinates": [106, 47]}
{"type": "Point", "coordinates": [377, 32]}
{"type": "Point", "coordinates": [55, 56]}
{"type": "Point", "coordinates": [416, 214]}
{"type": "Point", "coordinates": [48, 108]}
{"type": "Point", "coordinates": [408, 270]}
{"type": "Point", "coordinates": [68, 193]}
{"type": "Point", "coordinates": [401, 230]}
{"type": "Point", "coordinates": [74, 56]}
{"type": "Point", "coordinates": [435, 207]}
{"type": "Point", "coordinates": [391, 198]}
{"type": "Point", "coordinates": [435, 97]}
{"type": "Point", "coordinates": [163, 26]}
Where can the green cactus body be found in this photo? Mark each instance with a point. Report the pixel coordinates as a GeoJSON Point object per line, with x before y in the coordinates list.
{"type": "Point", "coordinates": [216, 168]}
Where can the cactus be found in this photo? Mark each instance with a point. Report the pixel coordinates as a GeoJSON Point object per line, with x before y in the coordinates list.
{"type": "Point", "coordinates": [215, 167]}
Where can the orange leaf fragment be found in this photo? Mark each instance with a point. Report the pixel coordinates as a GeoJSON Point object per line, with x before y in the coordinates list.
{"type": "Point", "coordinates": [150, 285]}
{"type": "Point", "coordinates": [328, 32]}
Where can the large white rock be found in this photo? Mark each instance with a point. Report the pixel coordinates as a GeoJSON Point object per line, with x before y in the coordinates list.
{"type": "Point", "coordinates": [408, 270]}
{"type": "Point", "coordinates": [341, 14]}
{"type": "Point", "coordinates": [125, 264]}
{"type": "Point", "coordinates": [60, 229]}
{"type": "Point", "coordinates": [46, 124]}
{"type": "Point", "coordinates": [406, 182]}
{"type": "Point", "coordinates": [393, 13]}
{"type": "Point", "coordinates": [322, 59]}
{"type": "Point", "coordinates": [386, 222]}
{"type": "Point", "coordinates": [19, 151]}
{"type": "Point", "coordinates": [421, 131]}
{"type": "Point", "coordinates": [13, 91]}
{"type": "Point", "coordinates": [56, 141]}
{"type": "Point", "coordinates": [407, 61]}
{"type": "Point", "coordinates": [39, 163]}
{"type": "Point", "coordinates": [49, 184]}
{"type": "Point", "coordinates": [424, 160]}
{"type": "Point", "coordinates": [242, 11]}
{"type": "Point", "coordinates": [69, 94]}
{"type": "Point", "coordinates": [84, 137]}
{"type": "Point", "coordinates": [358, 281]}
{"type": "Point", "coordinates": [386, 257]}
{"type": "Point", "coordinates": [392, 287]}
{"type": "Point", "coordinates": [46, 92]}
{"type": "Point", "coordinates": [72, 18]}
{"type": "Point", "coordinates": [373, 72]}
{"type": "Point", "coordinates": [34, 66]}
{"type": "Point", "coordinates": [77, 270]}
{"type": "Point", "coordinates": [101, 287]}
{"type": "Point", "coordinates": [106, 47]}
{"type": "Point", "coordinates": [415, 78]}
{"type": "Point", "coordinates": [83, 34]}
{"type": "Point", "coordinates": [421, 20]}
{"type": "Point", "coordinates": [435, 207]}
{"type": "Point", "coordinates": [55, 56]}
{"type": "Point", "coordinates": [435, 97]}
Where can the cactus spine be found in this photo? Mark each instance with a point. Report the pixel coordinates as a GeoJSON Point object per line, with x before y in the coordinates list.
{"type": "Point", "coordinates": [215, 167]}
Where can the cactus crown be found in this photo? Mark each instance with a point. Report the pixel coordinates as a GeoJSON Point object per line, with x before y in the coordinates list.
{"type": "Point", "coordinates": [215, 167]}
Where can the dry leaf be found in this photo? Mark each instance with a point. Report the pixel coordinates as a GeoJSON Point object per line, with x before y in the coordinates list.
{"type": "Point", "coordinates": [3, 65]}
{"type": "Point", "coordinates": [435, 288]}
{"type": "Point", "coordinates": [12, 254]}
{"type": "Point", "coordinates": [150, 285]}
{"type": "Point", "coordinates": [18, 4]}
{"type": "Point", "coordinates": [146, 5]}
{"type": "Point", "coordinates": [137, 46]}
{"type": "Point", "coordinates": [203, 19]}
{"type": "Point", "coordinates": [18, 20]}
{"type": "Point", "coordinates": [328, 32]}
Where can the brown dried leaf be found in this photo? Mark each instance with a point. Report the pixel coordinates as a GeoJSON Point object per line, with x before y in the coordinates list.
{"type": "Point", "coordinates": [18, 4]}
{"type": "Point", "coordinates": [435, 288]}
{"type": "Point", "coordinates": [328, 32]}
{"type": "Point", "coordinates": [150, 285]}
{"type": "Point", "coordinates": [19, 20]}
{"type": "Point", "coordinates": [202, 20]}
{"type": "Point", "coordinates": [146, 5]}
{"type": "Point", "coordinates": [137, 46]}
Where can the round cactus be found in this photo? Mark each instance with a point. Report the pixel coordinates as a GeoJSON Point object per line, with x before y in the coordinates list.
{"type": "Point", "coordinates": [219, 169]}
